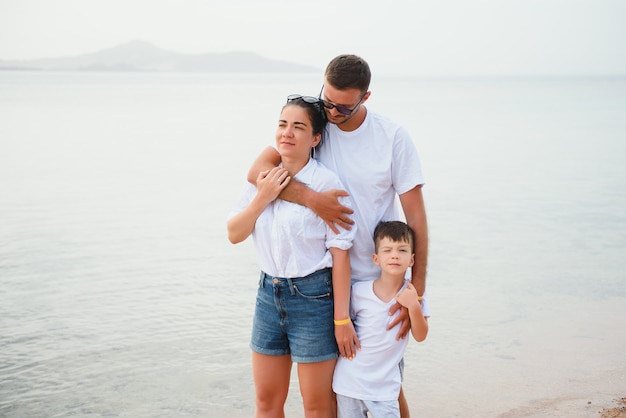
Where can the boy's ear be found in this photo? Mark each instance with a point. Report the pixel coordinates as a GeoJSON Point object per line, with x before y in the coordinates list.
{"type": "Point", "coordinates": [412, 260]}
{"type": "Point", "coordinates": [375, 259]}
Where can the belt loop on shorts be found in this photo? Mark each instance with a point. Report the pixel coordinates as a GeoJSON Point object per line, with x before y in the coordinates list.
{"type": "Point", "coordinates": [262, 280]}
{"type": "Point", "coordinates": [291, 286]}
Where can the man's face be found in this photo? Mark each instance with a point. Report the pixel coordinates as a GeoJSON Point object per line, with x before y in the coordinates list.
{"type": "Point", "coordinates": [339, 102]}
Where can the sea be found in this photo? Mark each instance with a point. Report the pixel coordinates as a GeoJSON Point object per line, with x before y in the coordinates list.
{"type": "Point", "coordinates": [120, 295]}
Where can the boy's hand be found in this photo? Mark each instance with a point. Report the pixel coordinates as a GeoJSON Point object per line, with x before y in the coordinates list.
{"type": "Point", "coordinates": [408, 297]}
{"type": "Point", "coordinates": [405, 300]}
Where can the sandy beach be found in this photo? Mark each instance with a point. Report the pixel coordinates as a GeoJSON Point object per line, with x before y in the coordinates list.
{"type": "Point", "coordinates": [615, 412]}
{"type": "Point", "coordinates": [572, 408]}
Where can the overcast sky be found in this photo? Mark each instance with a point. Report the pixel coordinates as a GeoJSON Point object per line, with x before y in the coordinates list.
{"type": "Point", "coordinates": [422, 37]}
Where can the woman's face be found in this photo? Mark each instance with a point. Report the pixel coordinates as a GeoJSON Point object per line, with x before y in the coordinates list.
{"type": "Point", "coordinates": [294, 136]}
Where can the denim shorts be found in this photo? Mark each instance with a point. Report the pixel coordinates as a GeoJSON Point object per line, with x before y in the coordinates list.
{"type": "Point", "coordinates": [295, 316]}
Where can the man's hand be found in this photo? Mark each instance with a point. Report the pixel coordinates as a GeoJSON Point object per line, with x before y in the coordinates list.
{"type": "Point", "coordinates": [326, 205]}
{"type": "Point", "coordinates": [402, 317]}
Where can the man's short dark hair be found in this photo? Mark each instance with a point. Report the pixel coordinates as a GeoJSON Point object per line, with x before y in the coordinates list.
{"type": "Point", "coordinates": [348, 72]}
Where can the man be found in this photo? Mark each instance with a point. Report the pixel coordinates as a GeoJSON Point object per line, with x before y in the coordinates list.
{"type": "Point", "coordinates": [376, 160]}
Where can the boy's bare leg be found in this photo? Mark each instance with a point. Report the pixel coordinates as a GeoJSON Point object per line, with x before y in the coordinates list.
{"type": "Point", "coordinates": [404, 406]}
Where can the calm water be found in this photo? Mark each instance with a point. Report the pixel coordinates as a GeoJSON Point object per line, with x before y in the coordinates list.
{"type": "Point", "coordinates": [121, 297]}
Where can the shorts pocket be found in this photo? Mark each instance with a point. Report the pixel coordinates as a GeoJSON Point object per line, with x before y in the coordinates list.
{"type": "Point", "coordinates": [314, 290]}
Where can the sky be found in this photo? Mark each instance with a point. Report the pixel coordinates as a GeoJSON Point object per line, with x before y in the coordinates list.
{"type": "Point", "coordinates": [396, 37]}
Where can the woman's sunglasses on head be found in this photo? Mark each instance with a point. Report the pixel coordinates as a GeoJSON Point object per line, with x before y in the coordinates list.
{"type": "Point", "coordinates": [306, 99]}
{"type": "Point", "coordinates": [328, 105]}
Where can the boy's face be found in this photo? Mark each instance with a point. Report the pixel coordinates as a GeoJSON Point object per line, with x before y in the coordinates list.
{"type": "Point", "coordinates": [393, 257]}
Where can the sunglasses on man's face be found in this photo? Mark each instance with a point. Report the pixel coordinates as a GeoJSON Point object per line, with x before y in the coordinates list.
{"type": "Point", "coordinates": [346, 111]}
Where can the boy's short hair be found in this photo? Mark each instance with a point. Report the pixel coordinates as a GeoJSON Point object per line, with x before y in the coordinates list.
{"type": "Point", "coordinates": [396, 231]}
{"type": "Point", "coordinates": [348, 72]}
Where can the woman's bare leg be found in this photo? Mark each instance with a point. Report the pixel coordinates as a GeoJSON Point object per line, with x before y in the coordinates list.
{"type": "Point", "coordinates": [316, 389]}
{"type": "Point", "coordinates": [271, 384]}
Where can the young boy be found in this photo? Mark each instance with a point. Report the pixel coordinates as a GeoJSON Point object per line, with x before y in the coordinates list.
{"type": "Point", "coordinates": [371, 380]}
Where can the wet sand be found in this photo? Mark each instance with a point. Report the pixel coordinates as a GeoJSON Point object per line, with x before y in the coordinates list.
{"type": "Point", "coordinates": [615, 412]}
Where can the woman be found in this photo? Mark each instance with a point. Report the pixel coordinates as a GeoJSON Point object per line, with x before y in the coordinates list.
{"type": "Point", "coordinates": [305, 277]}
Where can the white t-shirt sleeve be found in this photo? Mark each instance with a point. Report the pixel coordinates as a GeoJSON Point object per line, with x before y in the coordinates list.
{"type": "Point", "coordinates": [406, 168]}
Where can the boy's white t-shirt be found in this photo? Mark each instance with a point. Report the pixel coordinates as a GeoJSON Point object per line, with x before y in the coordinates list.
{"type": "Point", "coordinates": [374, 373]}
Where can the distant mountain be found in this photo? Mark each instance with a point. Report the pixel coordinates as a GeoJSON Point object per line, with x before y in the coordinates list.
{"type": "Point", "coordinates": [143, 56]}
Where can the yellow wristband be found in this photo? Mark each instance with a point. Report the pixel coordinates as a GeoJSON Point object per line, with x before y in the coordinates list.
{"type": "Point", "coordinates": [419, 298]}
{"type": "Point", "coordinates": [343, 321]}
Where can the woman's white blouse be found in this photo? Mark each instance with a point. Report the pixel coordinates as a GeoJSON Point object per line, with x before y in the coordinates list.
{"type": "Point", "coordinates": [290, 239]}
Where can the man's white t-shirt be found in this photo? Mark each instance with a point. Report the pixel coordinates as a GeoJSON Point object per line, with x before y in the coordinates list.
{"type": "Point", "coordinates": [375, 162]}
